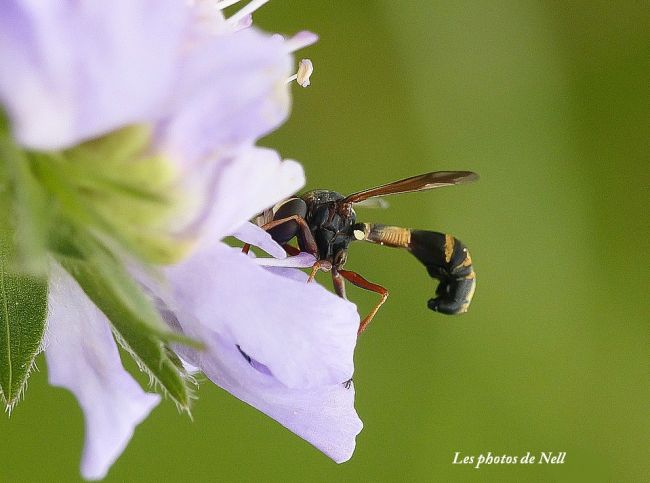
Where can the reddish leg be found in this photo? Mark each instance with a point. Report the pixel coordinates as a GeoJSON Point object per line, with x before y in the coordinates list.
{"type": "Point", "coordinates": [291, 250]}
{"type": "Point", "coordinates": [361, 282]}
{"type": "Point", "coordinates": [339, 284]}
{"type": "Point", "coordinates": [339, 287]}
{"type": "Point", "coordinates": [319, 265]}
{"type": "Point", "coordinates": [304, 233]}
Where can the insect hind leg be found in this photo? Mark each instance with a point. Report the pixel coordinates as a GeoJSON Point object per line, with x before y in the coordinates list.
{"type": "Point", "coordinates": [361, 282]}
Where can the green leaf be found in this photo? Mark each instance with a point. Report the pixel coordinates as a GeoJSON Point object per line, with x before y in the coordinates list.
{"type": "Point", "coordinates": [110, 276]}
{"type": "Point", "coordinates": [24, 207]}
{"type": "Point", "coordinates": [135, 321]}
{"type": "Point", "coordinates": [23, 309]}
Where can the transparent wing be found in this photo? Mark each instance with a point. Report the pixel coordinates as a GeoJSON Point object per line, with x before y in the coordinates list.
{"type": "Point", "coordinates": [423, 182]}
{"type": "Point", "coordinates": [374, 203]}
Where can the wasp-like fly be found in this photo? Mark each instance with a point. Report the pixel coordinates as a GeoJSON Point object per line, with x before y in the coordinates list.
{"type": "Point", "coordinates": [324, 222]}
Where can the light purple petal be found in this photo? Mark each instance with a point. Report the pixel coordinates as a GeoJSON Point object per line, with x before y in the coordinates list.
{"type": "Point", "coordinates": [232, 91]}
{"type": "Point", "coordinates": [324, 416]}
{"type": "Point", "coordinates": [302, 260]}
{"type": "Point", "coordinates": [75, 69]}
{"type": "Point", "coordinates": [292, 273]}
{"type": "Point", "coordinates": [208, 17]}
{"type": "Point", "coordinates": [235, 189]}
{"type": "Point", "coordinates": [301, 40]}
{"type": "Point", "coordinates": [304, 334]}
{"type": "Point", "coordinates": [83, 358]}
{"type": "Point", "coordinates": [253, 234]}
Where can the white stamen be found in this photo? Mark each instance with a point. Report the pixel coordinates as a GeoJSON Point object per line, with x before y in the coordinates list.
{"type": "Point", "coordinates": [244, 11]}
{"type": "Point", "coordinates": [305, 69]}
{"type": "Point", "coordinates": [221, 4]}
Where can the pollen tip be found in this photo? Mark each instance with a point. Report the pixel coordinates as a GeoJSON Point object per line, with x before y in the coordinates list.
{"type": "Point", "coordinates": [305, 70]}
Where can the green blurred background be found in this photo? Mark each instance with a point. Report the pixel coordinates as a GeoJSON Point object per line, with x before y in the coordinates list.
{"type": "Point", "coordinates": [549, 102]}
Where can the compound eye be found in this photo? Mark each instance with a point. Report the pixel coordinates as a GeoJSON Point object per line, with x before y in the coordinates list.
{"type": "Point", "coordinates": [286, 231]}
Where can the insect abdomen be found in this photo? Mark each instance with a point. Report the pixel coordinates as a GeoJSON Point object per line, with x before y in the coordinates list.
{"type": "Point", "coordinates": [445, 257]}
{"type": "Point", "coordinates": [448, 260]}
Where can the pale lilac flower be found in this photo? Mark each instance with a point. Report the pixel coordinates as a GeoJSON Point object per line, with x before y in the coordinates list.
{"type": "Point", "coordinates": [208, 87]}
{"type": "Point", "coordinates": [293, 368]}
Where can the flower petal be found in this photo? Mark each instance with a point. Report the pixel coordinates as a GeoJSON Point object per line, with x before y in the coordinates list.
{"type": "Point", "coordinates": [302, 260]}
{"type": "Point", "coordinates": [74, 69]}
{"type": "Point", "coordinates": [208, 17]}
{"type": "Point", "coordinates": [286, 272]}
{"type": "Point", "coordinates": [324, 416]}
{"type": "Point", "coordinates": [304, 334]}
{"type": "Point", "coordinates": [301, 40]}
{"type": "Point", "coordinates": [235, 189]}
{"type": "Point", "coordinates": [232, 91]}
{"type": "Point", "coordinates": [254, 235]}
{"type": "Point", "coordinates": [83, 358]}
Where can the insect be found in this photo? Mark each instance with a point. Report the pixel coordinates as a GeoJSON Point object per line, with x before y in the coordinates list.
{"type": "Point", "coordinates": [324, 223]}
